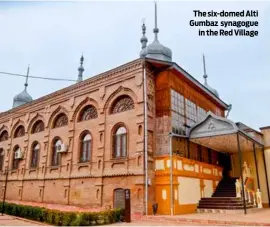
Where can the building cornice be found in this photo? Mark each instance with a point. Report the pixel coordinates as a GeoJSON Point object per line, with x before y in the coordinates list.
{"type": "Point", "coordinates": [265, 128]}
{"type": "Point", "coordinates": [86, 84]}
{"type": "Point", "coordinates": [190, 78]}
{"type": "Point", "coordinates": [95, 81]}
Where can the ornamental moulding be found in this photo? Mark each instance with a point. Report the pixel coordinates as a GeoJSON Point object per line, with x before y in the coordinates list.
{"type": "Point", "coordinates": [103, 77]}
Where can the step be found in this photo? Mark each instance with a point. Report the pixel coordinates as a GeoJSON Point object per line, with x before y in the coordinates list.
{"type": "Point", "coordinates": [225, 186]}
{"type": "Point", "coordinates": [225, 189]}
{"type": "Point", "coordinates": [231, 193]}
{"type": "Point", "coordinates": [225, 211]}
{"type": "Point", "coordinates": [225, 194]}
{"type": "Point", "coordinates": [221, 198]}
{"type": "Point", "coordinates": [225, 207]}
{"type": "Point", "coordinates": [218, 196]}
{"type": "Point", "coordinates": [221, 202]}
{"type": "Point", "coordinates": [224, 201]}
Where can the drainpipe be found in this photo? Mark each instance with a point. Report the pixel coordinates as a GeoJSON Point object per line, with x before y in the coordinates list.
{"type": "Point", "coordinates": [145, 138]}
{"type": "Point", "coordinates": [171, 173]}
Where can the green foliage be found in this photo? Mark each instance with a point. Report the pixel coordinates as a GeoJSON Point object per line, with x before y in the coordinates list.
{"type": "Point", "coordinates": [61, 218]}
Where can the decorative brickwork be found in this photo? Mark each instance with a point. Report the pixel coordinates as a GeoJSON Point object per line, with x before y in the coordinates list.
{"type": "Point", "coordinates": [4, 136]}
{"type": "Point", "coordinates": [89, 112]}
{"type": "Point", "coordinates": [60, 121]}
{"type": "Point", "coordinates": [123, 103]}
{"type": "Point", "coordinates": [79, 176]}
{"type": "Point", "coordinates": [38, 127]}
{"type": "Point", "coordinates": [19, 132]}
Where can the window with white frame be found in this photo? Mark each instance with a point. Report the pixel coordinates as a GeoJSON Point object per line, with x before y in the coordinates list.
{"type": "Point", "coordinates": [201, 114]}
{"type": "Point", "coordinates": [178, 113]}
{"type": "Point", "coordinates": [191, 113]}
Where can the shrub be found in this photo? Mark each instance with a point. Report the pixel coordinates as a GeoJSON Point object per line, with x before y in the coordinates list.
{"type": "Point", "coordinates": [61, 218]}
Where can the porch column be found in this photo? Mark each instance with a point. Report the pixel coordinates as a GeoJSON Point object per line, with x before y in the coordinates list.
{"type": "Point", "coordinates": [265, 170]}
{"type": "Point", "coordinates": [256, 165]}
{"type": "Point", "coordinates": [241, 172]}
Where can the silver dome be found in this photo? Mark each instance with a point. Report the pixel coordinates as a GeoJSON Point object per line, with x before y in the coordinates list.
{"type": "Point", "coordinates": [158, 51]}
{"type": "Point", "coordinates": [155, 50]}
{"type": "Point", "coordinates": [143, 53]}
{"type": "Point", "coordinates": [214, 91]}
{"type": "Point", "coordinates": [21, 99]}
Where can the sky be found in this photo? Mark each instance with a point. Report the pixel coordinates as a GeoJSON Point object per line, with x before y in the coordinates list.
{"type": "Point", "coordinates": [51, 36]}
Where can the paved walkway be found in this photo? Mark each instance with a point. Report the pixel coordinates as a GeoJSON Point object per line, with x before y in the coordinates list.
{"type": "Point", "coordinates": [261, 217]}
{"type": "Point", "coordinates": [7, 220]}
{"type": "Point", "coordinates": [257, 217]}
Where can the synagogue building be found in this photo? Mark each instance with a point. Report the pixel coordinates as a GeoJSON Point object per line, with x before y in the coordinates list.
{"type": "Point", "coordinates": [147, 126]}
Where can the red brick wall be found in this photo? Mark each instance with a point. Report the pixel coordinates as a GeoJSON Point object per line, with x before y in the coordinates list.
{"type": "Point", "coordinates": [84, 184]}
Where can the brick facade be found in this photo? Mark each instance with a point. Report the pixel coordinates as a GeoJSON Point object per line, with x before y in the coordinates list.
{"type": "Point", "coordinates": [92, 183]}
{"type": "Point", "coordinates": [89, 183]}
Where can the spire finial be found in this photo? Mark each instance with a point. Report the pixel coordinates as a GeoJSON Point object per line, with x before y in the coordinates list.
{"type": "Point", "coordinates": [82, 59]}
{"type": "Point", "coordinates": [144, 40]}
{"type": "Point", "coordinates": [26, 80]}
{"type": "Point", "coordinates": [156, 30]}
{"type": "Point", "coordinates": [81, 69]}
{"type": "Point", "coordinates": [204, 71]}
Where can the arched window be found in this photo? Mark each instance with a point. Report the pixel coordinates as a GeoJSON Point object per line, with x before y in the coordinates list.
{"type": "Point", "coordinates": [56, 155]}
{"type": "Point", "coordinates": [60, 121]}
{"type": "Point", "coordinates": [121, 104]}
{"type": "Point", "coordinates": [19, 132]}
{"type": "Point", "coordinates": [35, 155]}
{"type": "Point", "coordinates": [38, 127]}
{"type": "Point", "coordinates": [1, 158]}
{"type": "Point", "coordinates": [88, 112]}
{"type": "Point", "coordinates": [15, 162]}
{"type": "Point", "coordinates": [119, 198]}
{"type": "Point", "coordinates": [86, 148]}
{"type": "Point", "coordinates": [4, 136]}
{"type": "Point", "coordinates": [120, 142]}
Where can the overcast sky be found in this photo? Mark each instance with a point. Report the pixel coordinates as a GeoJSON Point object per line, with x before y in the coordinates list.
{"type": "Point", "coordinates": [50, 36]}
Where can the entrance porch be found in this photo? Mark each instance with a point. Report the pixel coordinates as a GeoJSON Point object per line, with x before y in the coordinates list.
{"type": "Point", "coordinates": [224, 153]}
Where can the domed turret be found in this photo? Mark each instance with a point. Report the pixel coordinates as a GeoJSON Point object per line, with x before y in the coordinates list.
{"type": "Point", "coordinates": [214, 91]}
{"type": "Point", "coordinates": [156, 50]}
{"type": "Point", "coordinates": [144, 41]}
{"type": "Point", "coordinates": [81, 70]}
{"type": "Point", "coordinates": [23, 97]}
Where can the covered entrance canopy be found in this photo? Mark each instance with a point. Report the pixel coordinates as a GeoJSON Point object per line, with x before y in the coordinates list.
{"type": "Point", "coordinates": [221, 134]}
